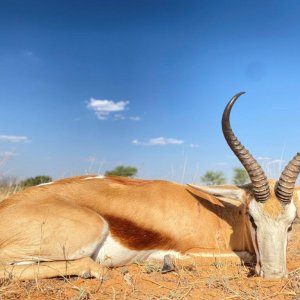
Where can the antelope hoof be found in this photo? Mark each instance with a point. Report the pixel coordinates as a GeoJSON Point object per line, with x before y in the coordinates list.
{"type": "Point", "coordinates": [168, 265]}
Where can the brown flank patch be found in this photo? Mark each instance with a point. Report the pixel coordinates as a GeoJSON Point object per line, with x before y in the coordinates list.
{"type": "Point", "coordinates": [135, 237]}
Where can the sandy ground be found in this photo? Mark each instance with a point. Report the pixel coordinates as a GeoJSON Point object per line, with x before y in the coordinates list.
{"type": "Point", "coordinates": [196, 279]}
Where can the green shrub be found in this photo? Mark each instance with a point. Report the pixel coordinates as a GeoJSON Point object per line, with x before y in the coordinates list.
{"type": "Point", "coordinates": [35, 180]}
{"type": "Point", "coordinates": [122, 171]}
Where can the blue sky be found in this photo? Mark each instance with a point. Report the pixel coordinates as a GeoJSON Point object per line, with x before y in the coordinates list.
{"type": "Point", "coordinates": [88, 85]}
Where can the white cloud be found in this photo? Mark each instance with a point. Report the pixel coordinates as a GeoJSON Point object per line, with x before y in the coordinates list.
{"type": "Point", "coordinates": [165, 141]}
{"type": "Point", "coordinates": [194, 145]}
{"type": "Point", "coordinates": [8, 154]}
{"type": "Point", "coordinates": [119, 117]}
{"type": "Point", "coordinates": [14, 139]}
{"type": "Point", "coordinates": [160, 141]}
{"type": "Point", "coordinates": [135, 118]}
{"type": "Point", "coordinates": [103, 108]}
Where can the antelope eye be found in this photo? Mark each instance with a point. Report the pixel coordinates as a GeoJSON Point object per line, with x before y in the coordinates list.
{"type": "Point", "coordinates": [290, 228]}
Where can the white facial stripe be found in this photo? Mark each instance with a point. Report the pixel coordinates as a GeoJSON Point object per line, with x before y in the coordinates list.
{"type": "Point", "coordinates": [256, 210]}
{"type": "Point", "coordinates": [271, 237]}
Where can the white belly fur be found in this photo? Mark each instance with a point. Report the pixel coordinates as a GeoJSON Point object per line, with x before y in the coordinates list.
{"type": "Point", "coordinates": [112, 254]}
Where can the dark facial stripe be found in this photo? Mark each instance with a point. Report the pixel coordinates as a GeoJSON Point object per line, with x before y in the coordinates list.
{"type": "Point", "coordinates": [252, 223]}
{"type": "Point", "coordinates": [254, 227]}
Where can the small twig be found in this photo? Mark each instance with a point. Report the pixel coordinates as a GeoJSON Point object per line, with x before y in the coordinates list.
{"type": "Point", "coordinates": [280, 293]}
{"type": "Point", "coordinates": [185, 295]}
{"type": "Point", "coordinates": [295, 271]}
{"type": "Point", "coordinates": [160, 285]}
{"type": "Point", "coordinates": [114, 293]}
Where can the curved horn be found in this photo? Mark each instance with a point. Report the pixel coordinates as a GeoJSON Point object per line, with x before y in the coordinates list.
{"type": "Point", "coordinates": [286, 183]}
{"type": "Point", "coordinates": [258, 178]}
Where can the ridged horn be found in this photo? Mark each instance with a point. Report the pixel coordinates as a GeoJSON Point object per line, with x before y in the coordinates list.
{"type": "Point", "coordinates": [286, 183]}
{"type": "Point", "coordinates": [259, 180]}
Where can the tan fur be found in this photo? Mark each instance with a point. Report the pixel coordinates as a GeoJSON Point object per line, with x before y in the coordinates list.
{"type": "Point", "coordinates": [63, 220]}
{"type": "Point", "coordinates": [297, 200]}
{"type": "Point", "coordinates": [84, 267]}
{"type": "Point", "coordinates": [273, 206]}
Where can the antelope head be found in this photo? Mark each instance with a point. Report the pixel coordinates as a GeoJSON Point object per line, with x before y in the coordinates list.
{"type": "Point", "coordinates": [271, 206]}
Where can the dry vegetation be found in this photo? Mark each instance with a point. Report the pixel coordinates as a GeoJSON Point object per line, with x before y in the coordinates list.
{"type": "Point", "coordinates": [6, 191]}
{"type": "Point", "coordinates": [196, 279]}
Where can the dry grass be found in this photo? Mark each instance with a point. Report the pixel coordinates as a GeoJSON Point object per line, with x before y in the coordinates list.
{"type": "Point", "coordinates": [6, 191]}
{"type": "Point", "coordinates": [134, 282]}
{"type": "Point", "coordinates": [191, 280]}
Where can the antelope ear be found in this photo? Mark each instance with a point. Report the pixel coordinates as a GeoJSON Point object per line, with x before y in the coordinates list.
{"type": "Point", "coordinates": [223, 191]}
{"type": "Point", "coordinates": [296, 198]}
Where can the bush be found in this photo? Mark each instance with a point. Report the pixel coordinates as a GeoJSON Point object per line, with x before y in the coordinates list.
{"type": "Point", "coordinates": [240, 176]}
{"type": "Point", "coordinates": [122, 171]}
{"type": "Point", "coordinates": [213, 178]}
{"type": "Point", "coordinates": [35, 180]}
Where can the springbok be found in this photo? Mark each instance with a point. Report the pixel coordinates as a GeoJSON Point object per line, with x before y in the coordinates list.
{"type": "Point", "coordinates": [73, 226]}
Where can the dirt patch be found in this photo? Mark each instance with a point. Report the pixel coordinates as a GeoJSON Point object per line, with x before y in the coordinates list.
{"type": "Point", "coordinates": [192, 280]}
